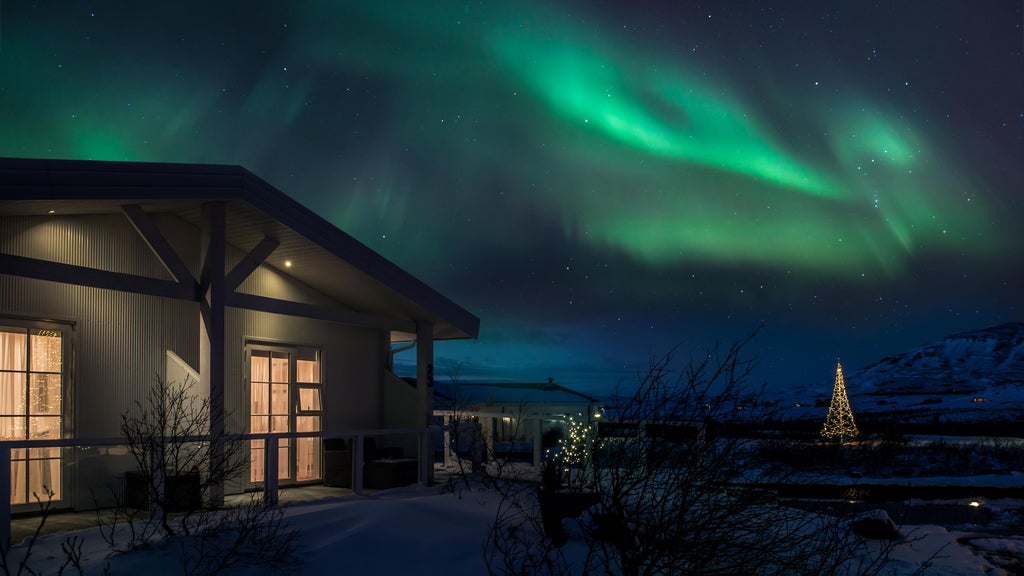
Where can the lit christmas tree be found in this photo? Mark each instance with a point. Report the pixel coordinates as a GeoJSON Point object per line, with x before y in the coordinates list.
{"type": "Point", "coordinates": [839, 421]}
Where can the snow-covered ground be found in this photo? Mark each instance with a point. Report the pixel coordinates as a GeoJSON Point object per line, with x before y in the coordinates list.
{"type": "Point", "coordinates": [427, 531]}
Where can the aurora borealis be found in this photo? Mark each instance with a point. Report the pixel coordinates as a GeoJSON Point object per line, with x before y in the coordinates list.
{"type": "Point", "coordinates": [597, 181]}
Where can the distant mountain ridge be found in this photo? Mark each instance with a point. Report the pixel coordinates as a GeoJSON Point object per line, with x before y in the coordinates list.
{"type": "Point", "coordinates": [971, 362]}
{"type": "Point", "coordinates": [975, 376]}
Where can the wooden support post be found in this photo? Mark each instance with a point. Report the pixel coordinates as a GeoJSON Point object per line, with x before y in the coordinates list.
{"type": "Point", "coordinates": [357, 464]}
{"type": "Point", "coordinates": [425, 396]}
{"type": "Point", "coordinates": [211, 337]}
{"type": "Point", "coordinates": [425, 439]}
{"type": "Point", "coordinates": [270, 462]}
{"type": "Point", "coordinates": [5, 495]}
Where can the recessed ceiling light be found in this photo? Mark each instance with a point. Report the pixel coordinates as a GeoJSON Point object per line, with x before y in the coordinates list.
{"type": "Point", "coordinates": [287, 263]}
{"type": "Point", "coordinates": [51, 212]}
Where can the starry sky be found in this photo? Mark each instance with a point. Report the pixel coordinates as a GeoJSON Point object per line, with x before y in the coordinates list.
{"type": "Point", "coordinates": [598, 181]}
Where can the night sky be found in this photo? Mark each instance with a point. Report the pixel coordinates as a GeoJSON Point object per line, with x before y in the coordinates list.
{"type": "Point", "coordinates": [597, 181]}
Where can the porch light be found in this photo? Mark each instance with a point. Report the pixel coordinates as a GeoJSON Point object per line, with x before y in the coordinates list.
{"type": "Point", "coordinates": [975, 503]}
{"type": "Point", "coordinates": [287, 263]}
{"type": "Point", "coordinates": [51, 211]}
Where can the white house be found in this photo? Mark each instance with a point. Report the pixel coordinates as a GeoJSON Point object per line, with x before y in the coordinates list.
{"type": "Point", "coordinates": [514, 414]}
{"type": "Point", "coordinates": [112, 274]}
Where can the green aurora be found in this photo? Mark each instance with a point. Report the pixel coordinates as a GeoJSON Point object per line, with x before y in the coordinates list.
{"type": "Point", "coordinates": [624, 162]}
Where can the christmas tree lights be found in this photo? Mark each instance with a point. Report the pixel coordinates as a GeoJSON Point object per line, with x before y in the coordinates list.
{"type": "Point", "coordinates": [576, 448]}
{"type": "Point", "coordinates": [577, 445]}
{"type": "Point", "coordinates": [839, 421]}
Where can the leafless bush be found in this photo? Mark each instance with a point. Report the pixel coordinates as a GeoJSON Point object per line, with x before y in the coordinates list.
{"type": "Point", "coordinates": [674, 494]}
{"type": "Point", "coordinates": [517, 544]}
{"type": "Point", "coordinates": [161, 434]}
{"type": "Point", "coordinates": [71, 546]}
{"type": "Point", "coordinates": [180, 474]}
{"type": "Point", "coordinates": [251, 534]}
{"type": "Point", "coordinates": [24, 566]}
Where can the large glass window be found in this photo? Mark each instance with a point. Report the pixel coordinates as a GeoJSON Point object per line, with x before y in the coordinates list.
{"type": "Point", "coordinates": [31, 390]}
{"type": "Point", "coordinates": [285, 386]}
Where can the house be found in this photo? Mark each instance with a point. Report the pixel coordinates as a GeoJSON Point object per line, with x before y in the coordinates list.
{"type": "Point", "coordinates": [114, 273]}
{"type": "Point", "coordinates": [511, 417]}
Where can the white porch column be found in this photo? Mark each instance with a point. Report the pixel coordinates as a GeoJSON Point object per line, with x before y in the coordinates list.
{"type": "Point", "coordinates": [211, 334]}
{"type": "Point", "coordinates": [449, 457]}
{"type": "Point", "coordinates": [490, 424]}
{"type": "Point", "coordinates": [425, 396]}
{"type": "Point", "coordinates": [536, 442]}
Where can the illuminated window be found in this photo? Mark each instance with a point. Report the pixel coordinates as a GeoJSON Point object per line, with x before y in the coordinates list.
{"type": "Point", "coordinates": [31, 391]}
{"type": "Point", "coordinates": [285, 395]}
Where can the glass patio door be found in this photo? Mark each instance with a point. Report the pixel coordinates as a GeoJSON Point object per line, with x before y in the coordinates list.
{"type": "Point", "coordinates": [307, 413]}
{"type": "Point", "coordinates": [31, 391]}
{"type": "Point", "coordinates": [285, 385]}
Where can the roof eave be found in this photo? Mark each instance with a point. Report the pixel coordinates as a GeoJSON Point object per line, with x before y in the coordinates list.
{"type": "Point", "coordinates": [44, 179]}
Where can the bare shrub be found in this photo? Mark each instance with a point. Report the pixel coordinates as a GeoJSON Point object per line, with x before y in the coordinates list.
{"type": "Point", "coordinates": [168, 435]}
{"type": "Point", "coordinates": [180, 473]}
{"type": "Point", "coordinates": [675, 492]}
{"type": "Point", "coordinates": [251, 534]}
{"type": "Point", "coordinates": [71, 547]}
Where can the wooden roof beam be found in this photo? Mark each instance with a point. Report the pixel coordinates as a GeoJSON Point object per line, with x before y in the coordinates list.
{"type": "Point", "coordinates": [170, 260]}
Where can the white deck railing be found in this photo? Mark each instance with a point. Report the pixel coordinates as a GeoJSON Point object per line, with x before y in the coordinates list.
{"type": "Point", "coordinates": [271, 484]}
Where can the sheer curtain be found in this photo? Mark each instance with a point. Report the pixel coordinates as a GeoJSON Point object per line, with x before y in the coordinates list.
{"type": "Point", "coordinates": [307, 375]}
{"type": "Point", "coordinates": [259, 382]}
{"type": "Point", "coordinates": [44, 409]}
{"type": "Point", "coordinates": [13, 352]}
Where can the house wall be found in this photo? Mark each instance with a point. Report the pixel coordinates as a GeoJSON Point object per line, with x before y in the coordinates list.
{"type": "Point", "coordinates": [353, 365]}
{"type": "Point", "coordinates": [117, 350]}
{"type": "Point", "coordinates": [120, 339]}
{"type": "Point", "coordinates": [105, 241]}
{"type": "Point", "coordinates": [400, 402]}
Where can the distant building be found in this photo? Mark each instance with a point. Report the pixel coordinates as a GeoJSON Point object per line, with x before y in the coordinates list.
{"type": "Point", "coordinates": [513, 415]}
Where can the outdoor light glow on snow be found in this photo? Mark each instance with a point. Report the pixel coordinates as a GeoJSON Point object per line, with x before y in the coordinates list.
{"type": "Point", "coordinates": [596, 181]}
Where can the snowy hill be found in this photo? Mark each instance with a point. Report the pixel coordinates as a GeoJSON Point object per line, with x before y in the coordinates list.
{"type": "Point", "coordinates": [987, 360]}
{"type": "Point", "coordinates": [971, 376]}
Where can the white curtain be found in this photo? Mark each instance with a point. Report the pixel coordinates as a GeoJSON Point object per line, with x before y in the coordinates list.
{"type": "Point", "coordinates": [13, 349]}
{"type": "Point", "coordinates": [259, 376]}
{"type": "Point", "coordinates": [13, 352]}
{"type": "Point", "coordinates": [39, 468]}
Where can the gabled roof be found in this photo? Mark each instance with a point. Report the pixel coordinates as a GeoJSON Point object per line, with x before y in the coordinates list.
{"type": "Point", "coordinates": [329, 260]}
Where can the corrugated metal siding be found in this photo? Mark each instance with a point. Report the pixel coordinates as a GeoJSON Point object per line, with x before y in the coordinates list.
{"type": "Point", "coordinates": [266, 281]}
{"type": "Point", "coordinates": [104, 241]}
{"type": "Point", "coordinates": [120, 338]}
{"type": "Point", "coordinates": [183, 237]}
{"type": "Point", "coordinates": [353, 365]}
{"type": "Point", "coordinates": [118, 345]}
{"type": "Point", "coordinates": [117, 350]}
